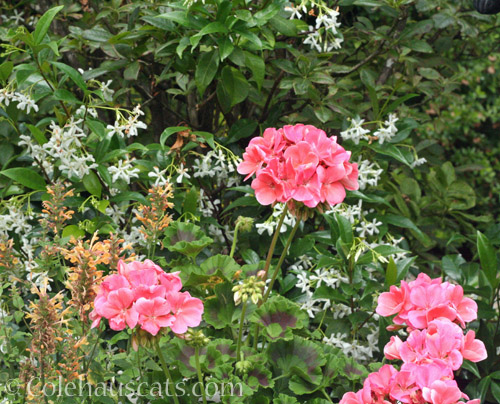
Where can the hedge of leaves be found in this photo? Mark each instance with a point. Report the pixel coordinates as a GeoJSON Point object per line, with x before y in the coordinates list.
{"type": "Point", "coordinates": [123, 125]}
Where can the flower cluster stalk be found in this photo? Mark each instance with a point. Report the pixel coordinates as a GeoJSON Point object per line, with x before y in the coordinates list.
{"type": "Point", "coordinates": [165, 370]}
{"type": "Point", "coordinates": [200, 376]}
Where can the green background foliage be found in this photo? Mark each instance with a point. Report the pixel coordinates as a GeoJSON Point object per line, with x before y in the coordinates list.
{"type": "Point", "coordinates": [209, 76]}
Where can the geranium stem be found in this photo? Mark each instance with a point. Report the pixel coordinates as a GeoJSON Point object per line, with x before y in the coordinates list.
{"type": "Point", "coordinates": [235, 239]}
{"type": "Point", "coordinates": [200, 376]}
{"type": "Point", "coordinates": [240, 333]}
{"type": "Point", "coordinates": [280, 262]}
{"type": "Point", "coordinates": [273, 242]}
{"type": "Point", "coordinates": [326, 395]}
{"type": "Point", "coordinates": [165, 370]}
{"type": "Point", "coordinates": [268, 264]}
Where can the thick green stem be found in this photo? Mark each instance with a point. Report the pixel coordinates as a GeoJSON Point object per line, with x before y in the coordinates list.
{"type": "Point", "coordinates": [280, 262]}
{"type": "Point", "coordinates": [240, 333]}
{"type": "Point", "coordinates": [326, 395]}
{"type": "Point", "coordinates": [200, 376]}
{"type": "Point", "coordinates": [268, 264]}
{"type": "Point", "coordinates": [235, 239]}
{"type": "Point", "coordinates": [152, 249]}
{"type": "Point", "coordinates": [165, 370]}
{"type": "Point", "coordinates": [273, 242]}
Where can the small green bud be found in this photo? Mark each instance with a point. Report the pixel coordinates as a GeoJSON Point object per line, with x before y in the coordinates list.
{"type": "Point", "coordinates": [243, 366]}
{"type": "Point", "coordinates": [244, 223]}
{"type": "Point", "coordinates": [251, 288]}
{"type": "Point", "coordinates": [196, 338]}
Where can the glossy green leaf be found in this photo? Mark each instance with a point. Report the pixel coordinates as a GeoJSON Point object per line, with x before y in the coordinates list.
{"type": "Point", "coordinates": [73, 231]}
{"type": "Point", "coordinates": [232, 88]}
{"type": "Point", "coordinates": [206, 70]}
{"type": "Point", "coordinates": [257, 66]}
{"type": "Point", "coordinates": [92, 184]}
{"type": "Point", "coordinates": [43, 24]}
{"type": "Point", "coordinates": [73, 74]}
{"type": "Point", "coordinates": [26, 177]}
{"type": "Point", "coordinates": [132, 71]}
{"type": "Point", "coordinates": [6, 70]}
{"type": "Point", "coordinates": [488, 259]}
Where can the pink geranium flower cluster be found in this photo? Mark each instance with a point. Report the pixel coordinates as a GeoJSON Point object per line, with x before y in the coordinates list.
{"type": "Point", "coordinates": [435, 347]}
{"type": "Point", "coordinates": [419, 302]}
{"type": "Point", "coordinates": [430, 384]}
{"type": "Point", "coordinates": [142, 293]}
{"type": "Point", "coordinates": [299, 163]}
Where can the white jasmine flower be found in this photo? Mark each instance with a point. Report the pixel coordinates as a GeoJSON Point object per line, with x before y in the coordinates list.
{"type": "Point", "coordinates": [6, 97]}
{"type": "Point", "coordinates": [356, 132]}
{"type": "Point", "coordinates": [17, 17]}
{"type": "Point", "coordinates": [369, 173]}
{"type": "Point", "coordinates": [418, 162]}
{"type": "Point", "coordinates": [303, 282]}
{"type": "Point", "coordinates": [107, 93]}
{"type": "Point", "coordinates": [40, 279]}
{"type": "Point", "coordinates": [116, 213]}
{"type": "Point", "coordinates": [25, 103]}
{"type": "Point", "coordinates": [370, 228]}
{"type": "Point", "coordinates": [124, 170]}
{"type": "Point", "coordinates": [183, 173]}
{"type": "Point", "coordinates": [309, 306]}
{"type": "Point", "coordinates": [158, 176]}
{"type": "Point", "coordinates": [313, 39]}
{"type": "Point", "coordinates": [329, 21]}
{"type": "Point", "coordinates": [116, 128]}
{"type": "Point", "coordinates": [77, 166]}
{"type": "Point", "coordinates": [387, 132]}
{"type": "Point", "coordinates": [295, 11]}
{"type": "Point", "coordinates": [263, 227]}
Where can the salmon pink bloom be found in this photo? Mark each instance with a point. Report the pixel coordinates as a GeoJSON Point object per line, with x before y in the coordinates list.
{"type": "Point", "coordinates": [427, 373]}
{"type": "Point", "coordinates": [118, 309]}
{"type": "Point", "coordinates": [171, 281]}
{"type": "Point", "coordinates": [299, 163]}
{"type": "Point", "coordinates": [143, 294]}
{"type": "Point", "coordinates": [302, 157]}
{"type": "Point", "coordinates": [392, 348]}
{"type": "Point", "coordinates": [154, 314]}
{"type": "Point", "coordinates": [268, 189]}
{"type": "Point", "coordinates": [442, 392]}
{"type": "Point", "coordinates": [332, 190]}
{"type": "Point", "coordinates": [125, 268]}
{"type": "Point", "coordinates": [473, 349]}
{"type": "Point", "coordinates": [352, 398]}
{"type": "Point", "coordinates": [380, 382]}
{"type": "Point", "coordinates": [403, 387]}
{"type": "Point", "coordinates": [187, 311]}
{"type": "Point", "coordinates": [294, 133]}
{"type": "Point", "coordinates": [392, 302]}
{"type": "Point", "coordinates": [350, 181]}
{"type": "Point", "coordinates": [307, 188]}
{"type": "Point", "coordinates": [253, 159]}
{"type": "Point", "coordinates": [424, 300]}
{"type": "Point", "coordinates": [433, 312]}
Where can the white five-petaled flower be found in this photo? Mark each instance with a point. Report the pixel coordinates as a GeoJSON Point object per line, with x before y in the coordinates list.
{"type": "Point", "coordinates": [107, 93]}
{"type": "Point", "coordinates": [158, 176]}
{"type": "Point", "coordinates": [389, 130]}
{"type": "Point", "coordinates": [295, 11]}
{"type": "Point", "coordinates": [356, 132]}
{"type": "Point", "coordinates": [183, 173]}
{"type": "Point", "coordinates": [370, 228]}
{"type": "Point", "coordinates": [124, 170]}
{"type": "Point", "coordinates": [418, 162]}
{"type": "Point", "coordinates": [329, 21]}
